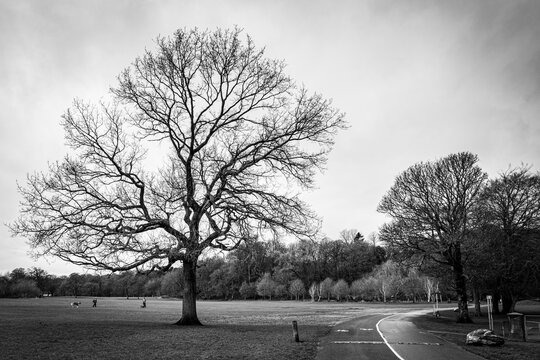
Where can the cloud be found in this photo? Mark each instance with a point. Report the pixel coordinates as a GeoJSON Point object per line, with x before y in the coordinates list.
{"type": "Point", "coordinates": [418, 80]}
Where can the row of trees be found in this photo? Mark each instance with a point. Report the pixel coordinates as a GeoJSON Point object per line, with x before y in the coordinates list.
{"type": "Point", "coordinates": [388, 280]}
{"type": "Point", "coordinates": [36, 282]}
{"type": "Point", "coordinates": [446, 214]}
{"type": "Point", "coordinates": [220, 276]}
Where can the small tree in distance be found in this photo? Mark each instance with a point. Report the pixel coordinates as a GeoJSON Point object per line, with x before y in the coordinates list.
{"type": "Point", "coordinates": [357, 288]}
{"type": "Point", "coordinates": [280, 291]}
{"type": "Point", "coordinates": [325, 288]}
{"type": "Point", "coordinates": [238, 140]}
{"type": "Point", "coordinates": [25, 288]}
{"type": "Point", "coordinates": [313, 291]}
{"type": "Point", "coordinates": [340, 290]}
{"type": "Point", "coordinates": [297, 288]}
{"type": "Point", "coordinates": [389, 279]}
{"type": "Point", "coordinates": [266, 286]}
{"type": "Point", "coordinates": [172, 283]}
{"type": "Point", "coordinates": [248, 290]}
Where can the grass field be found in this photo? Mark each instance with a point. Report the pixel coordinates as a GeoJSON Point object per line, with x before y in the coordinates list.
{"type": "Point", "coordinates": [49, 328]}
{"type": "Point", "coordinates": [513, 349]}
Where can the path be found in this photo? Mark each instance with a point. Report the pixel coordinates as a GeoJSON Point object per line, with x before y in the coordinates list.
{"type": "Point", "coordinates": [386, 337]}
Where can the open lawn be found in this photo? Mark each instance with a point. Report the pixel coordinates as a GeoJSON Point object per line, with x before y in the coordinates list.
{"type": "Point", "coordinates": [513, 349]}
{"type": "Point", "coordinates": [49, 328]}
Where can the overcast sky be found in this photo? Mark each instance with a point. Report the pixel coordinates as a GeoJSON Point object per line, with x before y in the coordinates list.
{"type": "Point", "coordinates": [417, 79]}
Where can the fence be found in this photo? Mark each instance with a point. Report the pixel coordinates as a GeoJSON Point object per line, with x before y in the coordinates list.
{"type": "Point", "coordinates": [513, 329]}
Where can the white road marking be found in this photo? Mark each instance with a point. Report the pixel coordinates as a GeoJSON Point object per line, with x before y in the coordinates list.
{"type": "Point", "coordinates": [384, 339]}
{"type": "Point", "coordinates": [342, 330]}
{"type": "Point", "coordinates": [358, 342]}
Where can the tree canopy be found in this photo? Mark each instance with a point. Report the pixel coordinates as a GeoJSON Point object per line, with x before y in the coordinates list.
{"type": "Point", "coordinates": [204, 143]}
{"type": "Point", "coordinates": [509, 222]}
{"type": "Point", "coordinates": [431, 205]}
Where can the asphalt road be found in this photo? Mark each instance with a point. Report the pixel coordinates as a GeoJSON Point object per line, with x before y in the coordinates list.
{"type": "Point", "coordinates": [386, 337]}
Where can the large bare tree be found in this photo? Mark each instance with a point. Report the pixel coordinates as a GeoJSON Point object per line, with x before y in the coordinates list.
{"type": "Point", "coordinates": [204, 143]}
{"type": "Point", "coordinates": [431, 206]}
{"type": "Point", "coordinates": [510, 213]}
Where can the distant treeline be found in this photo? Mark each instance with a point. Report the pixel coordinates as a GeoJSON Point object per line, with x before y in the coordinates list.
{"type": "Point", "coordinates": [348, 268]}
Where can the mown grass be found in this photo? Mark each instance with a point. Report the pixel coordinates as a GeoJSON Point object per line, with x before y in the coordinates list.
{"type": "Point", "coordinates": [513, 349]}
{"type": "Point", "coordinates": [49, 328]}
{"type": "Point", "coordinates": [120, 329]}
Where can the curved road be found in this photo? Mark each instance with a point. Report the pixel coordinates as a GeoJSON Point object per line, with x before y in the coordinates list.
{"type": "Point", "coordinates": [387, 336]}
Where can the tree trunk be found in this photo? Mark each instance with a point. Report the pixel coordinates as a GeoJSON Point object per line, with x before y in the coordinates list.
{"type": "Point", "coordinates": [189, 302]}
{"type": "Point", "coordinates": [476, 300]}
{"type": "Point", "coordinates": [461, 290]}
{"type": "Point", "coordinates": [508, 302]}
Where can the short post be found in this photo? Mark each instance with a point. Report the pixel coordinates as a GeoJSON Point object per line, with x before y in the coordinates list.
{"type": "Point", "coordinates": [490, 315]}
{"type": "Point", "coordinates": [295, 331]}
{"type": "Point", "coordinates": [436, 305]}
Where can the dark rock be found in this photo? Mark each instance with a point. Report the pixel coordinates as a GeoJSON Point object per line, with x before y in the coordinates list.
{"type": "Point", "coordinates": [484, 337]}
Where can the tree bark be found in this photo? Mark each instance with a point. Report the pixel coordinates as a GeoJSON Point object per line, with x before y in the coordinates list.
{"type": "Point", "coordinates": [476, 300]}
{"type": "Point", "coordinates": [508, 302]}
{"type": "Point", "coordinates": [189, 304]}
{"type": "Point", "coordinates": [461, 290]}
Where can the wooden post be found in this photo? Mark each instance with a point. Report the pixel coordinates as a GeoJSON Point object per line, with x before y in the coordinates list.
{"type": "Point", "coordinates": [523, 323]}
{"type": "Point", "coordinates": [490, 309]}
{"type": "Point", "coordinates": [295, 331]}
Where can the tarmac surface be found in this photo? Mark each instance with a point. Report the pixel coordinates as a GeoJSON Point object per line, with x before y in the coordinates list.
{"type": "Point", "coordinates": [387, 336]}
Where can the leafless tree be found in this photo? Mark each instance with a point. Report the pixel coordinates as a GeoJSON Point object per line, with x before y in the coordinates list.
{"type": "Point", "coordinates": [297, 288]}
{"type": "Point", "coordinates": [341, 290]}
{"type": "Point", "coordinates": [510, 212]}
{"type": "Point", "coordinates": [313, 291]}
{"type": "Point", "coordinates": [350, 235]}
{"type": "Point", "coordinates": [431, 205]}
{"type": "Point", "coordinates": [204, 143]}
{"type": "Point", "coordinates": [388, 279]}
{"type": "Point", "coordinates": [266, 286]}
{"type": "Point", "coordinates": [325, 288]}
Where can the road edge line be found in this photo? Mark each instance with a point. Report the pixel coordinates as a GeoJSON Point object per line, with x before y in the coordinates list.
{"type": "Point", "coordinates": [384, 339]}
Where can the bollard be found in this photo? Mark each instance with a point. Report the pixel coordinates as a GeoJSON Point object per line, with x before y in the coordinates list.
{"type": "Point", "coordinates": [524, 327]}
{"type": "Point", "coordinates": [295, 331]}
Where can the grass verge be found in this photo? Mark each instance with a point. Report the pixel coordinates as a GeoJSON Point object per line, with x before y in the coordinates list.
{"type": "Point", "coordinates": [514, 348]}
